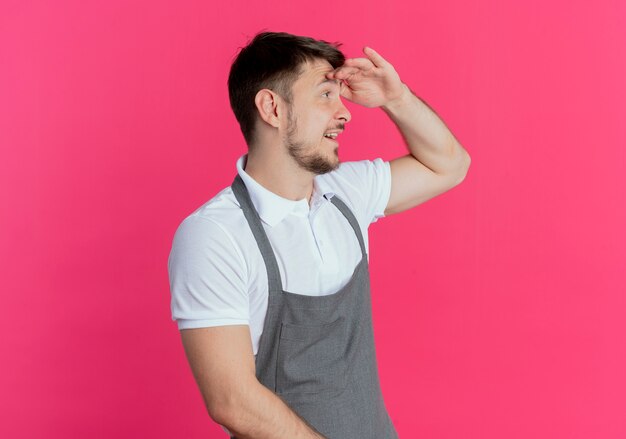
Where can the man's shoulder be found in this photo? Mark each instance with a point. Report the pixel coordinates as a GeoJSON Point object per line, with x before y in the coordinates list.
{"type": "Point", "coordinates": [347, 172]}
{"type": "Point", "coordinates": [221, 212]}
{"type": "Point", "coordinates": [364, 185]}
{"type": "Point", "coordinates": [353, 177]}
{"type": "Point", "coordinates": [222, 203]}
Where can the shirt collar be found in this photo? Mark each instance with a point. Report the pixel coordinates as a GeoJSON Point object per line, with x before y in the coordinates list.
{"type": "Point", "coordinates": [273, 208]}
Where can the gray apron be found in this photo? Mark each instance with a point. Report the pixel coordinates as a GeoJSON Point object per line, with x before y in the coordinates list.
{"type": "Point", "coordinates": [317, 353]}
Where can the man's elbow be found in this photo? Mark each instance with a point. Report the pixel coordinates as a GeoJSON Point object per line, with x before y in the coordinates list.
{"type": "Point", "coordinates": [467, 160]}
{"type": "Point", "coordinates": [227, 404]}
{"type": "Point", "coordinates": [221, 406]}
{"type": "Point", "coordinates": [462, 165]}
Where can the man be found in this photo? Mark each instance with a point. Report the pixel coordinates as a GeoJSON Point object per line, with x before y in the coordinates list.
{"type": "Point", "coordinates": [269, 278]}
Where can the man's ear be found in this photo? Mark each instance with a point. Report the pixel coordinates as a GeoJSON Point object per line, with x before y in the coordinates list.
{"type": "Point", "coordinates": [267, 104]}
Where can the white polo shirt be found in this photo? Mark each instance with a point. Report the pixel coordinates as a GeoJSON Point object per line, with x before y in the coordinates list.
{"type": "Point", "coordinates": [216, 271]}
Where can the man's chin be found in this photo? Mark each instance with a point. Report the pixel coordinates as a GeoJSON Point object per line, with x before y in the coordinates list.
{"type": "Point", "coordinates": [326, 166]}
{"type": "Point", "coordinates": [333, 163]}
{"type": "Point", "coordinates": [320, 163]}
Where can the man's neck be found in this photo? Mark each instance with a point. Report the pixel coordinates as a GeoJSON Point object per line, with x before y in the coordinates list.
{"type": "Point", "coordinates": [281, 175]}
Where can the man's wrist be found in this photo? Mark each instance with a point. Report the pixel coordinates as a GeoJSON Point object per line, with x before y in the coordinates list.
{"type": "Point", "coordinates": [400, 101]}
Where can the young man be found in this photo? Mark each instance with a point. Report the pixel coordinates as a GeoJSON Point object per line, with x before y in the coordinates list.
{"type": "Point", "coordinates": [269, 278]}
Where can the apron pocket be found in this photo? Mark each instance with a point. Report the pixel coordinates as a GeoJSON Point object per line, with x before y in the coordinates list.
{"type": "Point", "coordinates": [311, 359]}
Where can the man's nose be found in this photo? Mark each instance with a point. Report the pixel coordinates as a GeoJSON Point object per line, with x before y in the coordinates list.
{"type": "Point", "coordinates": [342, 112]}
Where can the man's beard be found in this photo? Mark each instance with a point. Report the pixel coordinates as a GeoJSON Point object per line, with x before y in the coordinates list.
{"type": "Point", "coordinates": [315, 162]}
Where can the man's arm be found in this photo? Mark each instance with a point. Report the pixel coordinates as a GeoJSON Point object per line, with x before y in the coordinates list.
{"type": "Point", "coordinates": [222, 363]}
{"type": "Point", "coordinates": [437, 162]}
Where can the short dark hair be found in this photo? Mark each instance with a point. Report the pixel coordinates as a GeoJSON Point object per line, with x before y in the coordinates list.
{"type": "Point", "coordinates": [272, 60]}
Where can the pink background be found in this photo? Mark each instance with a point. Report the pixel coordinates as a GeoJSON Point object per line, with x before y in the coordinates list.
{"type": "Point", "coordinates": [499, 306]}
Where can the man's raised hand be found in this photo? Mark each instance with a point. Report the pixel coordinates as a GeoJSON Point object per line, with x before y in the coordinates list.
{"type": "Point", "coordinates": [371, 82]}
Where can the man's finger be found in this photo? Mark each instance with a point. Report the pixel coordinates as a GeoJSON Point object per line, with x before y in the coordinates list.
{"type": "Point", "coordinates": [378, 60]}
{"type": "Point", "coordinates": [345, 72]}
{"type": "Point", "coordinates": [346, 92]}
{"type": "Point", "coordinates": [342, 72]}
{"type": "Point", "coordinates": [362, 63]}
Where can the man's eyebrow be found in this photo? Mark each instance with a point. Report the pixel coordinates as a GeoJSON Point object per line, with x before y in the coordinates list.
{"type": "Point", "coordinates": [326, 80]}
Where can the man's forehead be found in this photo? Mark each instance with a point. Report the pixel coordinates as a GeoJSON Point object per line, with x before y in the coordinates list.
{"type": "Point", "coordinates": [316, 73]}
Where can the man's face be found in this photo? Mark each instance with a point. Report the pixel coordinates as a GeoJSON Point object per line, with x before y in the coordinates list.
{"type": "Point", "coordinates": [316, 110]}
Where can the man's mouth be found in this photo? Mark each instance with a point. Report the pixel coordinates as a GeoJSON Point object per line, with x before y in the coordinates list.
{"type": "Point", "coordinates": [331, 139]}
{"type": "Point", "coordinates": [332, 135]}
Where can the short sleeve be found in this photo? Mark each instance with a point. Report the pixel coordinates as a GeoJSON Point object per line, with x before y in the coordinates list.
{"type": "Point", "coordinates": [367, 184]}
{"type": "Point", "coordinates": [207, 276]}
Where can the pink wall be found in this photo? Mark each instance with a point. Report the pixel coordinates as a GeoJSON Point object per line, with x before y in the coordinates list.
{"type": "Point", "coordinates": [499, 306]}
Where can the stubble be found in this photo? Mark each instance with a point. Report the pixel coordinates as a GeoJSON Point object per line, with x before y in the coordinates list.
{"type": "Point", "coordinates": [304, 156]}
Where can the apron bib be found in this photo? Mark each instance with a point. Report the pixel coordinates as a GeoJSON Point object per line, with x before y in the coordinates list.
{"type": "Point", "coordinates": [317, 353]}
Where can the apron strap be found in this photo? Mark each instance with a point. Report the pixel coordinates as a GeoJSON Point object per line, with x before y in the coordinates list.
{"type": "Point", "coordinates": [352, 220]}
{"type": "Point", "coordinates": [273, 275]}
